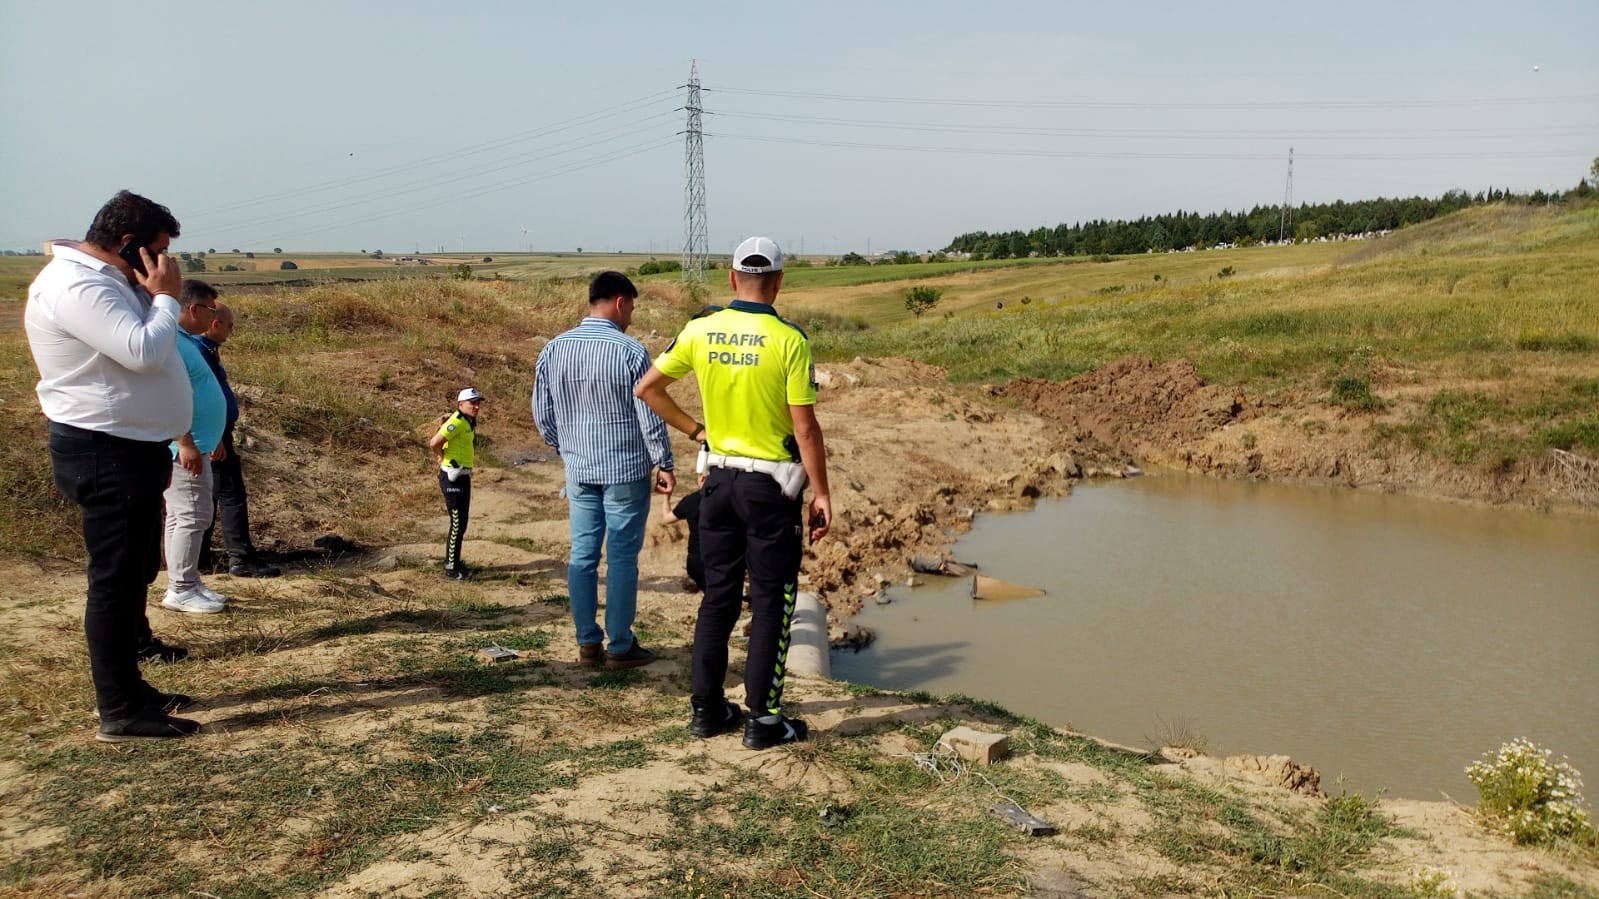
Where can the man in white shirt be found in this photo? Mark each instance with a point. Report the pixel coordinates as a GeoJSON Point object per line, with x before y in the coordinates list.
{"type": "Point", "coordinates": [102, 322]}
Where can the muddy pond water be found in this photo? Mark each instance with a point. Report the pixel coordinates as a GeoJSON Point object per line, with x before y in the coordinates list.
{"type": "Point", "coordinates": [1390, 639]}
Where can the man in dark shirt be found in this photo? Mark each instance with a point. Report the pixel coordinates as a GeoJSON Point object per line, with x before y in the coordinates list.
{"type": "Point", "coordinates": [688, 510]}
{"type": "Point", "coordinates": [233, 501]}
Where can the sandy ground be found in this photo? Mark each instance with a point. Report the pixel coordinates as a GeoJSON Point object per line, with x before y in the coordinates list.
{"type": "Point", "coordinates": [912, 461]}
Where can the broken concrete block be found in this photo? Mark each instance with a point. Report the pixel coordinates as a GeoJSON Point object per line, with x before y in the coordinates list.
{"type": "Point", "coordinates": [494, 655]}
{"type": "Point", "coordinates": [976, 746]}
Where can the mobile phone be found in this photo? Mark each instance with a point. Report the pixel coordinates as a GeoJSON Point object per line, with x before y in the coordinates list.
{"type": "Point", "coordinates": [130, 255]}
{"type": "Point", "coordinates": [816, 521]}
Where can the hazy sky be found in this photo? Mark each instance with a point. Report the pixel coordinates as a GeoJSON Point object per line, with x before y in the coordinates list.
{"type": "Point", "coordinates": [398, 125]}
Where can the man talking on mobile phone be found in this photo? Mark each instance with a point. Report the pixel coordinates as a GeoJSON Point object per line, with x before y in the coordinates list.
{"type": "Point", "coordinates": [103, 333]}
{"type": "Point", "coordinates": [763, 443]}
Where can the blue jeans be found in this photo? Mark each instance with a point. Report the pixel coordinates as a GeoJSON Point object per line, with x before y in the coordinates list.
{"type": "Point", "coordinates": [615, 515]}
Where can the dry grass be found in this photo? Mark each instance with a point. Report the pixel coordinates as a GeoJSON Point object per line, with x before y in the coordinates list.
{"type": "Point", "coordinates": [347, 382]}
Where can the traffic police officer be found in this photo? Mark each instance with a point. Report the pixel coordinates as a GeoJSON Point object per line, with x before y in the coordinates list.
{"type": "Point", "coordinates": [454, 447]}
{"type": "Point", "coordinates": [762, 440]}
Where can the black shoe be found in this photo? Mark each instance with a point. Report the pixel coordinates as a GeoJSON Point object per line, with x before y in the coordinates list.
{"type": "Point", "coordinates": [635, 657]}
{"type": "Point", "coordinates": [716, 720]}
{"type": "Point", "coordinates": [252, 568]}
{"type": "Point", "coordinates": [155, 650]}
{"type": "Point", "coordinates": [765, 736]}
{"type": "Point", "coordinates": [458, 573]}
{"type": "Point", "coordinates": [148, 724]}
{"type": "Point", "coordinates": [170, 702]}
{"type": "Point", "coordinates": [167, 703]}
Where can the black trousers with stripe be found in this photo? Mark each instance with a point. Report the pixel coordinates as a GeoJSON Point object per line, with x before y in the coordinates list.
{"type": "Point", "coordinates": [458, 502]}
{"type": "Point", "coordinates": [746, 524]}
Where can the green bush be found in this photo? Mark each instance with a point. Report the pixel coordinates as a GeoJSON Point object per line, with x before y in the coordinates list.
{"type": "Point", "coordinates": [1354, 392]}
{"type": "Point", "coordinates": [1522, 791]}
{"type": "Point", "coordinates": [921, 298]}
{"type": "Point", "coordinates": [815, 321]}
{"type": "Point", "coordinates": [658, 266]}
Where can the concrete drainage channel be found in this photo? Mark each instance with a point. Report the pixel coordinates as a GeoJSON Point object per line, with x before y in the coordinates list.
{"type": "Point", "coordinates": [807, 647]}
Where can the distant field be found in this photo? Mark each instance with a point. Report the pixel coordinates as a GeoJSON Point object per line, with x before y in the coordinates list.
{"type": "Point", "coordinates": [265, 269]}
{"type": "Point", "coordinates": [1486, 322]}
{"type": "Point", "coordinates": [869, 294]}
{"type": "Point", "coordinates": [1494, 280]}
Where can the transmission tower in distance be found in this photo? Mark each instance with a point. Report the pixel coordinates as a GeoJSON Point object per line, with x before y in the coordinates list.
{"type": "Point", "coordinates": [696, 243]}
{"type": "Point", "coordinates": [1287, 220]}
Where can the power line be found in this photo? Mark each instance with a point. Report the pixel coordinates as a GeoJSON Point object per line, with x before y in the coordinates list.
{"type": "Point", "coordinates": [1100, 104]}
{"type": "Point", "coordinates": [496, 167]}
{"type": "Point", "coordinates": [1167, 134]}
{"type": "Point", "coordinates": [446, 156]}
{"type": "Point", "coordinates": [575, 167]}
{"type": "Point", "coordinates": [1095, 154]}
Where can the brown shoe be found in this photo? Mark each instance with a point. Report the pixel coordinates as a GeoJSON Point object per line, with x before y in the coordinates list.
{"type": "Point", "coordinates": [588, 655]}
{"type": "Point", "coordinates": [635, 657]}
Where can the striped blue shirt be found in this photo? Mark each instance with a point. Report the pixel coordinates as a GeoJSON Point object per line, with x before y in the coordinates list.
{"type": "Point", "coordinates": [584, 406]}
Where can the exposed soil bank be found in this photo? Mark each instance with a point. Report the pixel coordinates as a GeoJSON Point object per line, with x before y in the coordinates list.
{"type": "Point", "coordinates": [1167, 415]}
{"type": "Point", "coordinates": [913, 459]}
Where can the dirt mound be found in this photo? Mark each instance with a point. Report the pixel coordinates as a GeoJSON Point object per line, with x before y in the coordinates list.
{"type": "Point", "coordinates": [1133, 403]}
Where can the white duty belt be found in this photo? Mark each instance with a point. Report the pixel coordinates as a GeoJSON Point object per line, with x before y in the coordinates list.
{"type": "Point", "coordinates": [790, 476]}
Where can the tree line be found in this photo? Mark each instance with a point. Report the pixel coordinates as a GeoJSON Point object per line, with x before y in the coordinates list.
{"type": "Point", "coordinates": [1261, 224]}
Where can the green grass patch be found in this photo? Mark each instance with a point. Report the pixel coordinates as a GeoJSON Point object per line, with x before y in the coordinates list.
{"type": "Point", "coordinates": [319, 820]}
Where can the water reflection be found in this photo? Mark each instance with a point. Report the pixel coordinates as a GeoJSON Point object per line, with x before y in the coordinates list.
{"type": "Point", "coordinates": [1392, 639]}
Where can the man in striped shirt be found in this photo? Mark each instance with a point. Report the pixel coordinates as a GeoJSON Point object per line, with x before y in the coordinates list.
{"type": "Point", "coordinates": [609, 442]}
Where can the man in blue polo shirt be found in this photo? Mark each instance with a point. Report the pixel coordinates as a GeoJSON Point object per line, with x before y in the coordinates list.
{"type": "Point", "coordinates": [189, 498]}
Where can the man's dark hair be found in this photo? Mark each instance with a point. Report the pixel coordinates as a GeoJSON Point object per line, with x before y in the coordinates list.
{"type": "Point", "coordinates": [129, 213]}
{"type": "Point", "coordinates": [611, 284]}
{"type": "Point", "coordinates": [195, 290]}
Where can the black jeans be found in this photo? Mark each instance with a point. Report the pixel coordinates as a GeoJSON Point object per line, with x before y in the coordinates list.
{"type": "Point", "coordinates": [118, 485]}
{"type": "Point", "coordinates": [233, 507]}
{"type": "Point", "coordinates": [746, 523]}
{"type": "Point", "coordinates": [458, 502]}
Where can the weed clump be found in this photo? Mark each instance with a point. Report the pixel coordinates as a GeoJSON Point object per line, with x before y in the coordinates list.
{"type": "Point", "coordinates": [1522, 791]}
{"type": "Point", "coordinates": [1354, 392]}
{"type": "Point", "coordinates": [815, 321]}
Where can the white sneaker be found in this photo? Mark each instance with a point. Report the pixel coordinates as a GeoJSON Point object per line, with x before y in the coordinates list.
{"type": "Point", "coordinates": [210, 594]}
{"type": "Point", "coordinates": [190, 601]}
